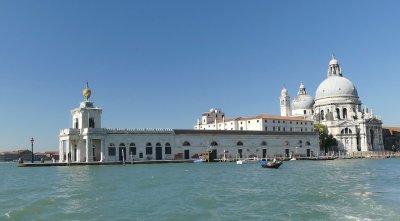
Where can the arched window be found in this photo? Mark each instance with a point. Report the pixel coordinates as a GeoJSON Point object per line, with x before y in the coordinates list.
{"type": "Point", "coordinates": [186, 143]}
{"type": "Point", "coordinates": [346, 131]}
{"type": "Point", "coordinates": [338, 113]}
{"type": "Point", "coordinates": [168, 148]}
{"type": "Point", "coordinates": [239, 143]}
{"type": "Point", "coordinates": [344, 113]}
{"type": "Point", "coordinates": [91, 122]}
{"type": "Point", "coordinates": [158, 145]}
{"type": "Point", "coordinates": [149, 149]}
{"type": "Point", "coordinates": [132, 149]}
{"type": "Point", "coordinates": [264, 143]}
{"type": "Point", "coordinates": [111, 149]}
{"type": "Point", "coordinates": [214, 143]}
{"type": "Point", "coordinates": [76, 123]}
{"type": "Point", "coordinates": [322, 115]}
{"type": "Point", "coordinates": [308, 143]}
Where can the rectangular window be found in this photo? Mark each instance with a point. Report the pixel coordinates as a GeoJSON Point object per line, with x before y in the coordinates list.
{"type": "Point", "coordinates": [283, 121]}
{"type": "Point", "coordinates": [279, 128]}
{"type": "Point", "coordinates": [111, 151]}
{"type": "Point", "coordinates": [290, 122]}
{"type": "Point", "coordinates": [248, 121]}
{"type": "Point", "coordinates": [273, 128]}
{"type": "Point", "coordinates": [291, 129]}
{"type": "Point", "coordinates": [167, 150]}
{"type": "Point", "coordinates": [273, 121]}
{"type": "Point", "coordinates": [266, 128]}
{"type": "Point", "coordinates": [266, 121]}
{"type": "Point", "coordinates": [258, 121]}
{"type": "Point", "coordinates": [149, 150]}
{"type": "Point", "coordinates": [132, 150]}
{"type": "Point", "coordinates": [279, 121]}
{"type": "Point", "coordinates": [284, 129]}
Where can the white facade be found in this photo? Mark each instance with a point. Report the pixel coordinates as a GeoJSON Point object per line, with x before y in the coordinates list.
{"type": "Point", "coordinates": [256, 123]}
{"type": "Point", "coordinates": [338, 106]}
{"type": "Point", "coordinates": [86, 141]}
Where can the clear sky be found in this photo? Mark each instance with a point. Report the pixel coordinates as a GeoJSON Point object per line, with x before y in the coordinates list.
{"type": "Point", "coordinates": [161, 64]}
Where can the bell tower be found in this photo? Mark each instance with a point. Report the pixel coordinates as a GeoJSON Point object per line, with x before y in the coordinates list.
{"type": "Point", "coordinates": [285, 103]}
{"type": "Point", "coordinates": [86, 115]}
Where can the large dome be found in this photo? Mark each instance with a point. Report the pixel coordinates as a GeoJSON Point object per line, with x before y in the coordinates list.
{"type": "Point", "coordinates": [303, 101]}
{"type": "Point", "coordinates": [336, 86]}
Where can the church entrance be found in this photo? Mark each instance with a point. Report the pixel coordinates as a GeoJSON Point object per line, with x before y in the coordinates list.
{"type": "Point", "coordinates": [158, 153]}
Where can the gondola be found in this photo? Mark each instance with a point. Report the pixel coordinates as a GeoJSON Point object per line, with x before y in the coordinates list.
{"type": "Point", "coordinates": [274, 164]}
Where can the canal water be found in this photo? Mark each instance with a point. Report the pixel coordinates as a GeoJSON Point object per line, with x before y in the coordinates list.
{"type": "Point", "coordinates": [362, 189]}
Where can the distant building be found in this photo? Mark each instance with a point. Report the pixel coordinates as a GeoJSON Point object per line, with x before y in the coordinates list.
{"type": "Point", "coordinates": [337, 106]}
{"type": "Point", "coordinates": [391, 138]}
{"type": "Point", "coordinates": [87, 141]}
{"type": "Point", "coordinates": [7, 156]}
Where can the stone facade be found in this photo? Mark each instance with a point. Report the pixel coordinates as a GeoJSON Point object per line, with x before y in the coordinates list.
{"type": "Point", "coordinates": [337, 105]}
{"type": "Point", "coordinates": [87, 141]}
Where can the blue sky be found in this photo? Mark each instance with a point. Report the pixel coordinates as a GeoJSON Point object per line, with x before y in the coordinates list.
{"type": "Point", "coordinates": [160, 64]}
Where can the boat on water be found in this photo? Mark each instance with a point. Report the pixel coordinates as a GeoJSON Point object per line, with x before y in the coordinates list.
{"type": "Point", "coordinates": [248, 160]}
{"type": "Point", "coordinates": [199, 161]}
{"type": "Point", "coordinates": [274, 164]}
{"type": "Point", "coordinates": [240, 161]}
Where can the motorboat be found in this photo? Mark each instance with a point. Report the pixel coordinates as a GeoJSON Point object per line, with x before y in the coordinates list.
{"type": "Point", "coordinates": [199, 161]}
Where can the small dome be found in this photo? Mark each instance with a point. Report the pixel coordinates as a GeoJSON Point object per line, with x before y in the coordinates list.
{"type": "Point", "coordinates": [303, 101]}
{"type": "Point", "coordinates": [284, 92]}
{"type": "Point", "coordinates": [336, 86]}
{"type": "Point", "coordinates": [333, 61]}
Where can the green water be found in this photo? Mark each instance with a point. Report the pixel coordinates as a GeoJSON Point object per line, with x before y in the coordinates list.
{"type": "Point", "coordinates": [298, 190]}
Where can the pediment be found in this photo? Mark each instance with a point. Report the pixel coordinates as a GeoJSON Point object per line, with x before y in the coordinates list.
{"type": "Point", "coordinates": [374, 121]}
{"type": "Point", "coordinates": [346, 124]}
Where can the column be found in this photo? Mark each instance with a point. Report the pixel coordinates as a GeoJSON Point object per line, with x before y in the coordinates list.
{"type": "Point", "coordinates": [102, 150]}
{"type": "Point", "coordinates": [68, 151]}
{"type": "Point", "coordinates": [61, 152]}
{"type": "Point", "coordinates": [87, 146]}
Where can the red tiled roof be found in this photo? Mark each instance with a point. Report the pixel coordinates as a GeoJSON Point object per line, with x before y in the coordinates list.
{"type": "Point", "coordinates": [396, 129]}
{"type": "Point", "coordinates": [269, 117]}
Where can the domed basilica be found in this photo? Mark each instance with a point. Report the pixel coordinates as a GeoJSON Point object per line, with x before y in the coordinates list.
{"type": "Point", "coordinates": [337, 106]}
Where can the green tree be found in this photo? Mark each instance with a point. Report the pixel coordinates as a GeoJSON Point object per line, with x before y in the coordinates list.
{"type": "Point", "coordinates": [326, 141]}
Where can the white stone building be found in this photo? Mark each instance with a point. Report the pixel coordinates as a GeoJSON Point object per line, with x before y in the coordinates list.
{"type": "Point", "coordinates": [87, 141]}
{"type": "Point", "coordinates": [215, 120]}
{"type": "Point", "coordinates": [337, 106]}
